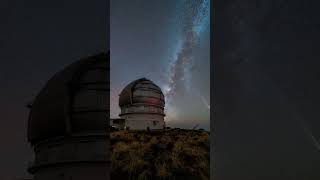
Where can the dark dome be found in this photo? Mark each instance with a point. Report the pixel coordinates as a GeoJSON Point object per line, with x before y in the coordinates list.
{"type": "Point", "coordinates": [75, 100]}
{"type": "Point", "coordinates": [141, 91]}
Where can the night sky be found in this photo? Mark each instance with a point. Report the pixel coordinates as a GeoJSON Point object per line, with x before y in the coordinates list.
{"type": "Point", "coordinates": [37, 39]}
{"type": "Point", "coordinates": [266, 90]}
{"type": "Point", "coordinates": [167, 42]}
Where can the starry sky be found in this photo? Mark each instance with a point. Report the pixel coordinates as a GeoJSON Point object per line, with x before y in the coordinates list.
{"type": "Point", "coordinates": [266, 90]}
{"type": "Point", "coordinates": [167, 42]}
{"type": "Point", "coordinates": [37, 39]}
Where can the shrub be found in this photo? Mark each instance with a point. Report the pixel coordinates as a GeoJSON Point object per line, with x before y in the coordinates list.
{"type": "Point", "coordinates": [163, 155]}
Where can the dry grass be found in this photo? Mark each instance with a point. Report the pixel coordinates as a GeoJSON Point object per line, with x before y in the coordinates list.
{"type": "Point", "coordinates": [177, 154]}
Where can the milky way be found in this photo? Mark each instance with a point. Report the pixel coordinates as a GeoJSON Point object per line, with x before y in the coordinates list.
{"type": "Point", "coordinates": [193, 19]}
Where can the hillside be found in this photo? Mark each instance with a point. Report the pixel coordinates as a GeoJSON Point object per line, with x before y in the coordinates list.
{"type": "Point", "coordinates": [172, 154]}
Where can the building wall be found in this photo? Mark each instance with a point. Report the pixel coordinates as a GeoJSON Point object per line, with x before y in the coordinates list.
{"type": "Point", "coordinates": [73, 159]}
{"type": "Point", "coordinates": [143, 121]}
{"type": "Point", "coordinates": [74, 172]}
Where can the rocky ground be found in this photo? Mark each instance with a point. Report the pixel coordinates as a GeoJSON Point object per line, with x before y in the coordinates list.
{"type": "Point", "coordinates": [171, 154]}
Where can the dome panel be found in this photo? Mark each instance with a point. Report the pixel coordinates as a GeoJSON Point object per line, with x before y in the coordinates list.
{"type": "Point", "coordinates": [148, 101]}
{"type": "Point", "coordinates": [75, 88]}
{"type": "Point", "coordinates": [141, 91]}
{"type": "Point", "coordinates": [147, 93]}
{"type": "Point", "coordinates": [147, 86]}
{"type": "Point", "coordinates": [95, 75]}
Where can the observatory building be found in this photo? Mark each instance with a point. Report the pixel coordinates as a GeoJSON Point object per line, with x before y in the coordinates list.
{"type": "Point", "coordinates": [142, 106]}
{"type": "Point", "coordinates": [68, 123]}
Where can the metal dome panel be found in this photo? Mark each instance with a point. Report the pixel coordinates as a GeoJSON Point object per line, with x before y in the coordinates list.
{"type": "Point", "coordinates": [141, 91]}
{"type": "Point", "coordinates": [57, 109]}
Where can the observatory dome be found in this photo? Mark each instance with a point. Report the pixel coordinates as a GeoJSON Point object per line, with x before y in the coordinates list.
{"type": "Point", "coordinates": [142, 105]}
{"type": "Point", "coordinates": [75, 100]}
{"type": "Point", "coordinates": [141, 91]}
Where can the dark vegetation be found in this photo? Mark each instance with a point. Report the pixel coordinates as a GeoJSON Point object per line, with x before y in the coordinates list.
{"type": "Point", "coordinates": [172, 154]}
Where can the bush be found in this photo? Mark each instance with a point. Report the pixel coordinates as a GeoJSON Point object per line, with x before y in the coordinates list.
{"type": "Point", "coordinates": [163, 155]}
